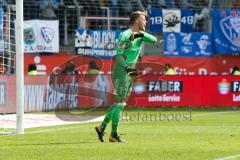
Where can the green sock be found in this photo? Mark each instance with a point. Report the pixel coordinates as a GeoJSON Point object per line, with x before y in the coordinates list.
{"type": "Point", "coordinates": [108, 117]}
{"type": "Point", "coordinates": [115, 118]}
{"type": "Point", "coordinates": [114, 134]}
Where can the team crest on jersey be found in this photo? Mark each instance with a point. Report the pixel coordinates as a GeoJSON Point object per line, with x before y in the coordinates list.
{"type": "Point", "coordinates": [125, 45]}
{"type": "Point", "coordinates": [47, 34]}
{"type": "Point", "coordinates": [230, 27]}
{"type": "Point", "coordinates": [29, 37]}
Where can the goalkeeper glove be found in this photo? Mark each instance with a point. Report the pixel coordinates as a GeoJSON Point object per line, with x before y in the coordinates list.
{"type": "Point", "coordinates": [135, 35]}
{"type": "Point", "coordinates": [131, 71]}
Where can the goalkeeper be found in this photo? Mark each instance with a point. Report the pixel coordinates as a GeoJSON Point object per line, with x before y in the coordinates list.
{"type": "Point", "coordinates": [128, 50]}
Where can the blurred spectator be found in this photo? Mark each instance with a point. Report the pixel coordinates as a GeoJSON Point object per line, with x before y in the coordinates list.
{"type": "Point", "coordinates": [2, 69]}
{"type": "Point", "coordinates": [225, 4]}
{"type": "Point", "coordinates": [155, 4]}
{"type": "Point", "coordinates": [93, 68]}
{"type": "Point", "coordinates": [215, 4]}
{"type": "Point", "coordinates": [125, 7]}
{"type": "Point", "coordinates": [48, 8]}
{"type": "Point", "coordinates": [201, 20]}
{"type": "Point", "coordinates": [31, 9]}
{"type": "Point", "coordinates": [169, 70]}
{"type": "Point", "coordinates": [60, 14]}
{"type": "Point", "coordinates": [114, 8]}
{"type": "Point", "coordinates": [236, 4]}
{"type": "Point", "coordinates": [185, 4]}
{"type": "Point", "coordinates": [32, 70]}
{"type": "Point", "coordinates": [170, 4]}
{"type": "Point", "coordinates": [60, 2]}
{"type": "Point", "coordinates": [202, 12]}
{"type": "Point", "coordinates": [135, 5]}
{"type": "Point", "coordinates": [102, 13]}
{"type": "Point", "coordinates": [114, 12]}
{"type": "Point", "coordinates": [69, 69]}
{"type": "Point", "coordinates": [4, 3]}
{"type": "Point", "coordinates": [235, 71]}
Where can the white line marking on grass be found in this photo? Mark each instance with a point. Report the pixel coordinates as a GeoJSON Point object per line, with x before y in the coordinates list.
{"type": "Point", "coordinates": [230, 157]}
{"type": "Point", "coordinates": [98, 119]}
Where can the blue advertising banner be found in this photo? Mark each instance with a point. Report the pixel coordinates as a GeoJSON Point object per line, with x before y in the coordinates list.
{"type": "Point", "coordinates": [187, 20]}
{"type": "Point", "coordinates": [195, 44]}
{"type": "Point", "coordinates": [100, 43]}
{"type": "Point", "coordinates": [226, 31]}
{"type": "Point", "coordinates": [1, 30]}
{"type": "Point", "coordinates": [155, 17]}
{"type": "Point", "coordinates": [171, 20]}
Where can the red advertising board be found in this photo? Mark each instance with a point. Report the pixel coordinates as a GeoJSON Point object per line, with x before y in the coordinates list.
{"type": "Point", "coordinates": [81, 91]}
{"type": "Point", "coordinates": [46, 64]}
{"type": "Point", "coordinates": [221, 91]}
{"type": "Point", "coordinates": [187, 91]}
{"type": "Point", "coordinates": [167, 91]}
{"type": "Point", "coordinates": [218, 65]}
{"type": "Point", "coordinates": [7, 94]}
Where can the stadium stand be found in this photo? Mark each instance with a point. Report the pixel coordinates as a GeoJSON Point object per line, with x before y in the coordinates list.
{"type": "Point", "coordinates": [93, 14]}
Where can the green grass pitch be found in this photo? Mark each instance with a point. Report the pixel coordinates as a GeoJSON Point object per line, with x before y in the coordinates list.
{"type": "Point", "coordinates": [202, 134]}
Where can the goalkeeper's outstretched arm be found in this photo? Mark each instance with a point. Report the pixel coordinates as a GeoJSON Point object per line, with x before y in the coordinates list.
{"type": "Point", "coordinates": [149, 38]}
{"type": "Point", "coordinates": [146, 37]}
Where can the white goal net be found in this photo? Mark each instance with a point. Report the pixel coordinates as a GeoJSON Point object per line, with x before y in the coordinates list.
{"type": "Point", "coordinates": [7, 68]}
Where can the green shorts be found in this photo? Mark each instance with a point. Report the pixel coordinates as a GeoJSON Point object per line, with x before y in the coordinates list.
{"type": "Point", "coordinates": [123, 84]}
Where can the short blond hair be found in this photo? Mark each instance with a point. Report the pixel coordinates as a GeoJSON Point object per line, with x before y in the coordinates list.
{"type": "Point", "coordinates": [135, 15]}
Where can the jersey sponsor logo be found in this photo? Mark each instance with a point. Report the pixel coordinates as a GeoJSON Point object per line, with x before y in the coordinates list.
{"type": "Point", "coordinates": [125, 45]}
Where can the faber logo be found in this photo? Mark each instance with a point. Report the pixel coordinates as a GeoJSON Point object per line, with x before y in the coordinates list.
{"type": "Point", "coordinates": [165, 86]}
{"type": "Point", "coordinates": [47, 34]}
{"type": "Point", "coordinates": [236, 86]}
{"type": "Point", "coordinates": [29, 37]}
{"type": "Point", "coordinates": [230, 27]}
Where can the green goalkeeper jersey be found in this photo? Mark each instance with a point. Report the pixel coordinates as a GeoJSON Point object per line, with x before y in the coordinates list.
{"type": "Point", "coordinates": [129, 51]}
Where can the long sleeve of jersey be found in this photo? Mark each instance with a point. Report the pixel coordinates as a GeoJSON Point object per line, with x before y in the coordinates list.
{"type": "Point", "coordinates": [121, 49]}
{"type": "Point", "coordinates": [149, 38]}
